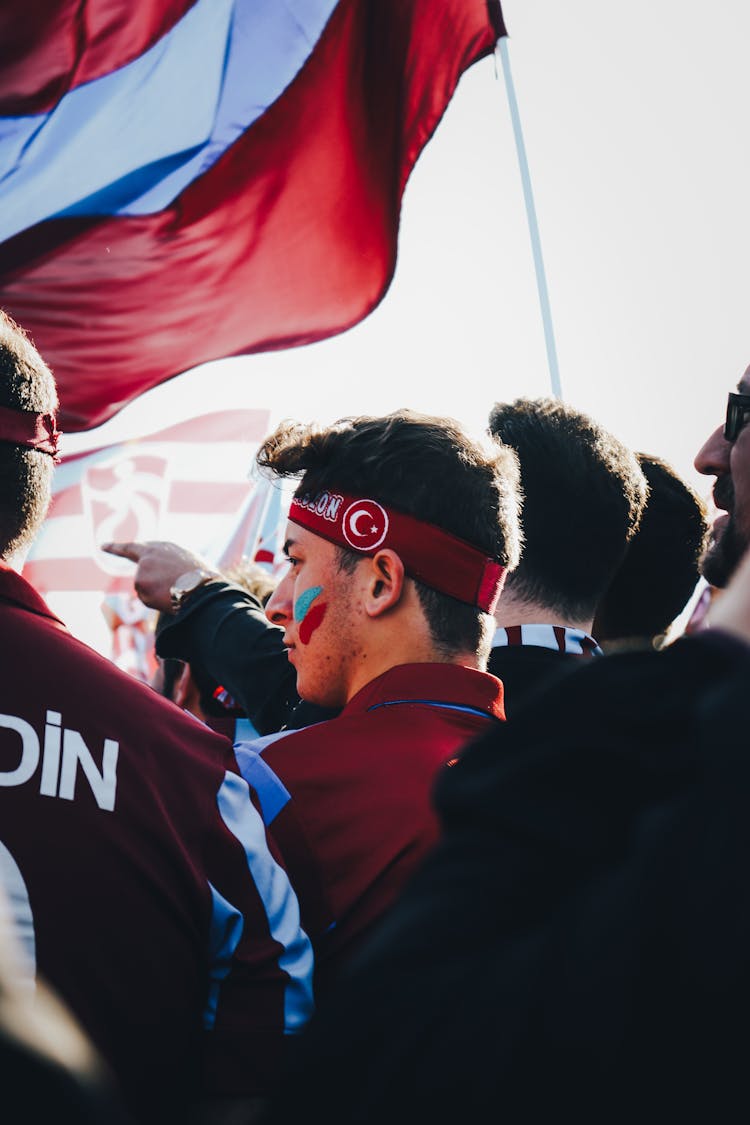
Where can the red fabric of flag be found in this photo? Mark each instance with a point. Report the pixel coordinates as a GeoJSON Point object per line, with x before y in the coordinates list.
{"type": "Point", "coordinates": [49, 48]}
{"type": "Point", "coordinates": [288, 238]}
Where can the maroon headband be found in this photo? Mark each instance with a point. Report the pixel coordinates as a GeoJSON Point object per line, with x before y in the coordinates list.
{"type": "Point", "coordinates": [36, 431]}
{"type": "Point", "coordinates": [432, 556]}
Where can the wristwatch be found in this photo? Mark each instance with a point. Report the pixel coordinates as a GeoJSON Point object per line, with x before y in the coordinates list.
{"type": "Point", "coordinates": [187, 584]}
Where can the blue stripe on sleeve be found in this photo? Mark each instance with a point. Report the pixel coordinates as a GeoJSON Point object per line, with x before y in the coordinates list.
{"type": "Point", "coordinates": [272, 793]}
{"type": "Point", "coordinates": [227, 925]}
{"type": "Point", "coordinates": [280, 902]}
{"type": "Point", "coordinates": [16, 915]}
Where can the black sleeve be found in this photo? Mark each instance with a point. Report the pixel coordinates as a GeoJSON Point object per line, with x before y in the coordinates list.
{"type": "Point", "coordinates": [224, 630]}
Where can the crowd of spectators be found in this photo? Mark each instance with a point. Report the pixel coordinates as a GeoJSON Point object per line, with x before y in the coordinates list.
{"type": "Point", "coordinates": [437, 827]}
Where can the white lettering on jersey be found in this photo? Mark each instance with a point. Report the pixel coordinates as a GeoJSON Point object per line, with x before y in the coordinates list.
{"type": "Point", "coordinates": [51, 760]}
{"type": "Point", "coordinates": [102, 784]}
{"type": "Point", "coordinates": [64, 752]}
{"type": "Point", "coordinates": [29, 751]}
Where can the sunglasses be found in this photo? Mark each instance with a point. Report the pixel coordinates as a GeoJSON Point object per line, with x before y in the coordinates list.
{"type": "Point", "coordinates": [738, 411]}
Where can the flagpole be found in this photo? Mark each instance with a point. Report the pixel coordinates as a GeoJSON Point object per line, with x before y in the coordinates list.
{"type": "Point", "coordinates": [536, 246]}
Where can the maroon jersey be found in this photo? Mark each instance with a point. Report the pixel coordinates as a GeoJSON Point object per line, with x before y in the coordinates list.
{"type": "Point", "coordinates": [139, 872]}
{"type": "Point", "coordinates": [349, 799]}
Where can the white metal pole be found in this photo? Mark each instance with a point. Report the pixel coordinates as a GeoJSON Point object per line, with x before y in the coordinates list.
{"type": "Point", "coordinates": [536, 246]}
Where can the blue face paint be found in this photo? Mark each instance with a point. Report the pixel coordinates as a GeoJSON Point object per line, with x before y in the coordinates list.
{"type": "Point", "coordinates": [304, 601]}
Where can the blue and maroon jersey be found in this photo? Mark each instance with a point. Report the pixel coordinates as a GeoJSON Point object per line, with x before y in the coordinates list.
{"type": "Point", "coordinates": [349, 800]}
{"type": "Point", "coordinates": [139, 872]}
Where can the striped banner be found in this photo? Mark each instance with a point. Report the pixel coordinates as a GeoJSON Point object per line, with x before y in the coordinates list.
{"type": "Point", "coordinates": [187, 483]}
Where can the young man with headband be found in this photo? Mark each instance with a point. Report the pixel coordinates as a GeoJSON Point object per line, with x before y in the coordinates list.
{"type": "Point", "coordinates": [399, 535]}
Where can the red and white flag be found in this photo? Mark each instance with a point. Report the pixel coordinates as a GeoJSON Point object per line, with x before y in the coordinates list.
{"type": "Point", "coordinates": [187, 483]}
{"type": "Point", "coordinates": [182, 180]}
{"type": "Point", "coordinates": [258, 534]}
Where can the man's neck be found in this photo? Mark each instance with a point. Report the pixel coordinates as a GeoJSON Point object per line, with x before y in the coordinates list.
{"type": "Point", "coordinates": [15, 562]}
{"type": "Point", "coordinates": [404, 646]}
{"type": "Point", "coordinates": [512, 610]}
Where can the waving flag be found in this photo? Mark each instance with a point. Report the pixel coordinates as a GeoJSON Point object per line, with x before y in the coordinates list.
{"type": "Point", "coordinates": [186, 483]}
{"type": "Point", "coordinates": [183, 181]}
{"type": "Point", "coordinates": [259, 531]}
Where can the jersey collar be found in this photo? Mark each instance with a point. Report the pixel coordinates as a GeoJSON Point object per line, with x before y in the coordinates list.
{"type": "Point", "coordinates": [560, 638]}
{"type": "Point", "coordinates": [14, 588]}
{"type": "Point", "coordinates": [432, 683]}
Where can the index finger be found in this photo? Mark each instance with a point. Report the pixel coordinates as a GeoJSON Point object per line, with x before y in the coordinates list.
{"type": "Point", "coordinates": [132, 551]}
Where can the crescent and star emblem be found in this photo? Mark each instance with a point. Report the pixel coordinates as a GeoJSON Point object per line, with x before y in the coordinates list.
{"type": "Point", "coordinates": [354, 524]}
{"type": "Point", "coordinates": [365, 525]}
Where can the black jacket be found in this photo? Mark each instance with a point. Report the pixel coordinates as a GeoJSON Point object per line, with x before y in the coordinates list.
{"type": "Point", "coordinates": [528, 669]}
{"type": "Point", "coordinates": [577, 947]}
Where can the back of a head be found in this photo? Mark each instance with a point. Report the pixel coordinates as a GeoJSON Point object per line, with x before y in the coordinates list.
{"type": "Point", "coordinates": [422, 466]}
{"type": "Point", "coordinates": [583, 497]}
{"type": "Point", "coordinates": [26, 384]}
{"type": "Point", "coordinates": [169, 680]}
{"type": "Point", "coordinates": [260, 584]}
{"type": "Point", "coordinates": [662, 564]}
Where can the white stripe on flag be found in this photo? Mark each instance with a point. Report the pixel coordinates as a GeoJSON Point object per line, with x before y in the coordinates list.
{"type": "Point", "coordinates": [131, 141]}
{"type": "Point", "coordinates": [72, 537]}
{"type": "Point", "coordinates": [201, 460]}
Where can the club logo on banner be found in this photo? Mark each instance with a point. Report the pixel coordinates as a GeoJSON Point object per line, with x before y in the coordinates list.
{"type": "Point", "coordinates": [188, 483]}
{"type": "Point", "coordinates": [124, 499]}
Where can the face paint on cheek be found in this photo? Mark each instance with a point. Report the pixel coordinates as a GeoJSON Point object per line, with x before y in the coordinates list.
{"type": "Point", "coordinates": [307, 615]}
{"type": "Point", "coordinates": [313, 619]}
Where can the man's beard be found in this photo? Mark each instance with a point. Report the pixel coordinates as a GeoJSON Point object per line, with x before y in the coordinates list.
{"type": "Point", "coordinates": [723, 554]}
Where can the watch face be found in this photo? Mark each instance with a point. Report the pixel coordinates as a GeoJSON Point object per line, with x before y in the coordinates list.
{"type": "Point", "coordinates": [186, 584]}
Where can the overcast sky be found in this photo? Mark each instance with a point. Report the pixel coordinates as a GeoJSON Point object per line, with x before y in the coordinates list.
{"type": "Point", "coordinates": [637, 140]}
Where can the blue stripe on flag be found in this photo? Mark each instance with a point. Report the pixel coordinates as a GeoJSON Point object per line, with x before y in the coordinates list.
{"type": "Point", "coordinates": [280, 902]}
{"type": "Point", "coordinates": [131, 141]}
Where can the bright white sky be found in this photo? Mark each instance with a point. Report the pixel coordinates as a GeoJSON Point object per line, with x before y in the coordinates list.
{"type": "Point", "coordinates": [636, 124]}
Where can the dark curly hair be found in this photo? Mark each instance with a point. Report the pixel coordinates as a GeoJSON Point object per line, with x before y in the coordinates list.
{"type": "Point", "coordinates": [426, 467]}
{"type": "Point", "coordinates": [662, 563]}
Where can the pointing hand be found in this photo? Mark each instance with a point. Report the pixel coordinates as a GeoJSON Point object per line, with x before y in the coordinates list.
{"type": "Point", "coordinates": [159, 565]}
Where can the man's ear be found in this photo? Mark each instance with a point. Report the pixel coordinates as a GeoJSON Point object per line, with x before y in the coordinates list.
{"type": "Point", "coordinates": [385, 583]}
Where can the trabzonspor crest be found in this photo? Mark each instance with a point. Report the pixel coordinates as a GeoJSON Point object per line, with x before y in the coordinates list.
{"type": "Point", "coordinates": [124, 499]}
{"type": "Point", "coordinates": [365, 525]}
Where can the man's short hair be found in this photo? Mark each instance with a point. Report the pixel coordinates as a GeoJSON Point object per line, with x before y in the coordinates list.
{"type": "Point", "coordinates": [26, 383]}
{"type": "Point", "coordinates": [583, 497]}
{"type": "Point", "coordinates": [425, 467]}
{"type": "Point", "coordinates": [662, 563]}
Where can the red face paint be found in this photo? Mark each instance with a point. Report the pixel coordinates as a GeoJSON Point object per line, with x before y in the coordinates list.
{"type": "Point", "coordinates": [313, 618]}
